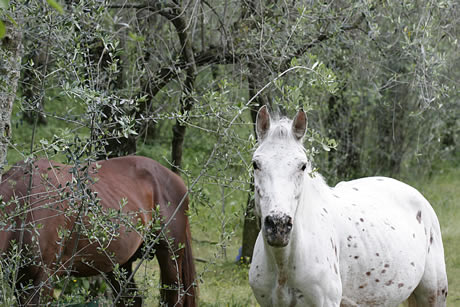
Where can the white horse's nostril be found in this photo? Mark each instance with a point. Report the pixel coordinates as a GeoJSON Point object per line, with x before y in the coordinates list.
{"type": "Point", "coordinates": [278, 223]}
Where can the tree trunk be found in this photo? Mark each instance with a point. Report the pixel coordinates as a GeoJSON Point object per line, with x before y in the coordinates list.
{"type": "Point", "coordinates": [251, 226]}
{"type": "Point", "coordinates": [32, 87]}
{"type": "Point", "coordinates": [178, 20]}
{"type": "Point", "coordinates": [10, 67]}
{"type": "Point", "coordinates": [343, 127]}
{"type": "Point", "coordinates": [391, 130]}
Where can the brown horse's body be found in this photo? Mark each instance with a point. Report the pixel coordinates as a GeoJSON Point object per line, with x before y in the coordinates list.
{"type": "Point", "coordinates": [146, 189]}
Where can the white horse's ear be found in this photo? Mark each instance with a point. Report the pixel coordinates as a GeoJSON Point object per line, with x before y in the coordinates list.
{"type": "Point", "coordinates": [299, 125]}
{"type": "Point", "coordinates": [262, 123]}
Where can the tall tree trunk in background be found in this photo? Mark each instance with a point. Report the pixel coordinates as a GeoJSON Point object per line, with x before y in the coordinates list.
{"type": "Point", "coordinates": [251, 226]}
{"type": "Point", "coordinates": [186, 101]}
{"type": "Point", "coordinates": [10, 67]}
{"type": "Point", "coordinates": [391, 119]}
{"type": "Point", "coordinates": [32, 86]}
{"type": "Point", "coordinates": [116, 146]}
{"type": "Point", "coordinates": [342, 124]}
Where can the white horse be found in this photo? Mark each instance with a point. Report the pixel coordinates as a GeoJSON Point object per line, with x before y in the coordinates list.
{"type": "Point", "coordinates": [367, 242]}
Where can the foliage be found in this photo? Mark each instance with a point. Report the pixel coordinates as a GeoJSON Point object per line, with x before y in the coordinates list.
{"type": "Point", "coordinates": [377, 79]}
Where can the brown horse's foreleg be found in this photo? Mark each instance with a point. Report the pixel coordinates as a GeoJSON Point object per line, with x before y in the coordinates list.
{"type": "Point", "coordinates": [130, 298]}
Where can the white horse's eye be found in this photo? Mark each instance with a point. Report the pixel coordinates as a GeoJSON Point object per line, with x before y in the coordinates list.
{"type": "Point", "coordinates": [255, 165]}
{"type": "Point", "coordinates": [303, 166]}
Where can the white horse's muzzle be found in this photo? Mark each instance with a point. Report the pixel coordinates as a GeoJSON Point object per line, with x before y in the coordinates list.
{"type": "Point", "coordinates": [277, 229]}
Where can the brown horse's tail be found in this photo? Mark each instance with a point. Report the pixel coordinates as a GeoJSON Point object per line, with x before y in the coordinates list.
{"type": "Point", "coordinates": [188, 271]}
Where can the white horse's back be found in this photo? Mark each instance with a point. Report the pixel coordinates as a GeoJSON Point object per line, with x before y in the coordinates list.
{"type": "Point", "coordinates": [391, 242]}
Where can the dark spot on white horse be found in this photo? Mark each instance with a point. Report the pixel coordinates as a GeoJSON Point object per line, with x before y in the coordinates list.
{"type": "Point", "coordinates": [400, 285]}
{"type": "Point", "coordinates": [349, 218]}
{"type": "Point", "coordinates": [349, 245]}
{"type": "Point", "coordinates": [324, 209]}
{"type": "Point", "coordinates": [431, 237]}
{"type": "Point", "coordinates": [377, 280]}
{"type": "Point", "coordinates": [386, 265]}
{"type": "Point", "coordinates": [413, 235]}
{"type": "Point", "coordinates": [355, 245]}
{"type": "Point", "coordinates": [354, 205]}
{"type": "Point", "coordinates": [356, 257]}
{"type": "Point", "coordinates": [335, 269]}
{"type": "Point", "coordinates": [389, 283]}
{"type": "Point", "coordinates": [362, 286]}
{"type": "Point", "coordinates": [336, 196]}
{"type": "Point", "coordinates": [383, 271]}
{"type": "Point", "coordinates": [335, 250]}
{"type": "Point", "coordinates": [392, 228]}
{"type": "Point", "coordinates": [444, 292]}
{"type": "Point", "coordinates": [368, 273]}
{"type": "Point", "coordinates": [412, 264]}
{"type": "Point", "coordinates": [356, 189]}
{"type": "Point", "coordinates": [419, 217]}
{"type": "Point", "coordinates": [361, 219]}
{"type": "Point", "coordinates": [363, 229]}
{"type": "Point", "coordinates": [377, 254]}
{"type": "Point", "coordinates": [349, 238]}
{"type": "Point", "coordinates": [257, 266]}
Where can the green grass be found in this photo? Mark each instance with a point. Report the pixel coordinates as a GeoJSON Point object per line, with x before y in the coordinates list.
{"type": "Point", "coordinates": [443, 192]}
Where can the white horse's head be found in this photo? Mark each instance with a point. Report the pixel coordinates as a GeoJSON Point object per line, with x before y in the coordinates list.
{"type": "Point", "coordinates": [280, 165]}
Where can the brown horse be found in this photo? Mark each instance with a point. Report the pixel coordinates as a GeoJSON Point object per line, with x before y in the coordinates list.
{"type": "Point", "coordinates": [55, 213]}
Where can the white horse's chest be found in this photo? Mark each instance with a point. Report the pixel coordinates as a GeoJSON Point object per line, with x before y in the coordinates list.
{"type": "Point", "coordinates": [306, 279]}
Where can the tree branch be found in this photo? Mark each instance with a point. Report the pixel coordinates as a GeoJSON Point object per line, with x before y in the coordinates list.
{"type": "Point", "coordinates": [322, 37]}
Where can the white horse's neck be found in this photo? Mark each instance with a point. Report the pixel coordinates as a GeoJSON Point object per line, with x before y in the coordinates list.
{"type": "Point", "coordinates": [313, 203]}
{"type": "Point", "coordinates": [315, 196]}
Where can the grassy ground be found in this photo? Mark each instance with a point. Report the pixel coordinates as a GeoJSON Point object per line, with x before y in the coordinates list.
{"type": "Point", "coordinates": [443, 192]}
